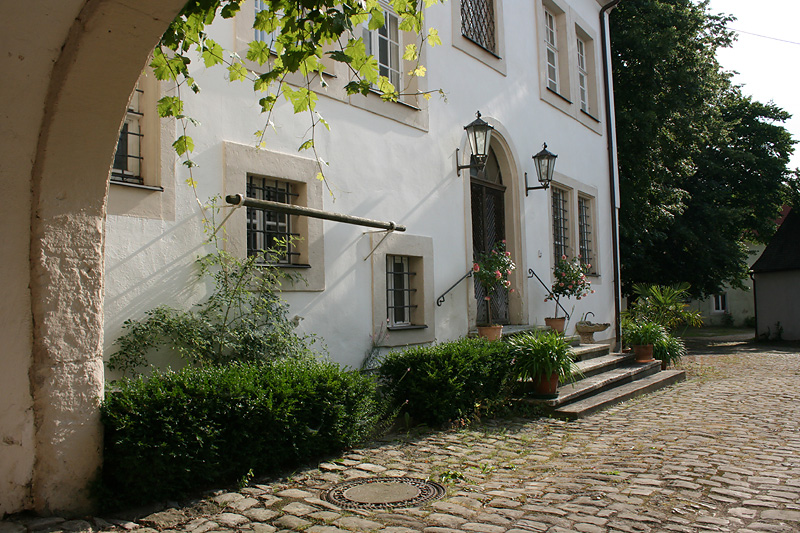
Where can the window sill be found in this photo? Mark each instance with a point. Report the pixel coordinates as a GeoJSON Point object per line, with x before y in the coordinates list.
{"type": "Point", "coordinates": [398, 101]}
{"type": "Point", "coordinates": [404, 328]}
{"type": "Point", "coordinates": [567, 100]}
{"type": "Point", "coordinates": [590, 116]}
{"type": "Point", "coordinates": [476, 43]}
{"type": "Point", "coordinates": [137, 186]}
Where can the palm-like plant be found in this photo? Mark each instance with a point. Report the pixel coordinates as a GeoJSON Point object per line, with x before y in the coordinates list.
{"type": "Point", "coordinates": [541, 354]}
{"type": "Point", "coordinates": [663, 304]}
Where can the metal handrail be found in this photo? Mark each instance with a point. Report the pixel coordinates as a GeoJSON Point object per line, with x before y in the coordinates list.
{"type": "Point", "coordinates": [440, 299]}
{"type": "Point", "coordinates": [532, 274]}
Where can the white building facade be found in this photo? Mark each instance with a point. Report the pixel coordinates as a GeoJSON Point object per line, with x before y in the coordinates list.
{"type": "Point", "coordinates": [535, 70]}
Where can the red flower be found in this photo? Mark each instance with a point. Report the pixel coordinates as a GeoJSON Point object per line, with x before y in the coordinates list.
{"type": "Point", "coordinates": [476, 267]}
{"type": "Point", "coordinates": [497, 274]}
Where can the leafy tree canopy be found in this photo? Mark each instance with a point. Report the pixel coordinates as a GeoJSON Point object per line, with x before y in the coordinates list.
{"type": "Point", "coordinates": [703, 168]}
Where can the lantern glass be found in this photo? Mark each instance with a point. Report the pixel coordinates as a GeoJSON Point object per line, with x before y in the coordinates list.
{"type": "Point", "coordinates": [545, 165]}
{"type": "Point", "coordinates": [479, 133]}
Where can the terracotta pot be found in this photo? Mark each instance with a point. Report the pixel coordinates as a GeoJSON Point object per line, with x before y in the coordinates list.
{"type": "Point", "coordinates": [643, 353]}
{"type": "Point", "coordinates": [556, 324]}
{"type": "Point", "coordinates": [546, 386]}
{"type": "Point", "coordinates": [491, 333]}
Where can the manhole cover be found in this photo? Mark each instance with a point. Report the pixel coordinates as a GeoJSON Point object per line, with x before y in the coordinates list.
{"type": "Point", "coordinates": [383, 493]}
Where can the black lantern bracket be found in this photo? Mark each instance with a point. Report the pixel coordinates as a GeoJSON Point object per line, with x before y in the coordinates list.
{"type": "Point", "coordinates": [545, 163]}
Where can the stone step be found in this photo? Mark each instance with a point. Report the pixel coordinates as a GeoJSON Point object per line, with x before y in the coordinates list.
{"type": "Point", "coordinates": [591, 404]}
{"type": "Point", "coordinates": [615, 373]}
{"type": "Point", "coordinates": [604, 363]}
{"type": "Point", "coordinates": [590, 351]}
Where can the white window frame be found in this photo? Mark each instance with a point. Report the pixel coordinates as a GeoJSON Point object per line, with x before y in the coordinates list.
{"type": "Point", "coordinates": [387, 39]}
{"type": "Point", "coordinates": [551, 50]}
{"type": "Point", "coordinates": [261, 35]}
{"type": "Point", "coordinates": [583, 75]}
{"type": "Point", "coordinates": [720, 303]}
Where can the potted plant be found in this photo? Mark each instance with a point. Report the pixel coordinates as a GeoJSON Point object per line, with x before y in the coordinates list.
{"type": "Point", "coordinates": [641, 336]}
{"type": "Point", "coordinates": [491, 270]}
{"type": "Point", "coordinates": [668, 349]}
{"type": "Point", "coordinates": [569, 279]}
{"type": "Point", "coordinates": [542, 359]}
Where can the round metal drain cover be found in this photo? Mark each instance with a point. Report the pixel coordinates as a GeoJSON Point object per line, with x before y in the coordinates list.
{"type": "Point", "coordinates": [383, 493]}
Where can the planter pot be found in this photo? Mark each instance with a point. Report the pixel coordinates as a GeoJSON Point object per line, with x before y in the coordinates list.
{"type": "Point", "coordinates": [664, 365]}
{"type": "Point", "coordinates": [492, 333]}
{"type": "Point", "coordinates": [545, 386]}
{"type": "Point", "coordinates": [643, 353]}
{"type": "Point", "coordinates": [556, 324]}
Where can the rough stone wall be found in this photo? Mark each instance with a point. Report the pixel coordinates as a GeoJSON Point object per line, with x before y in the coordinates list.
{"type": "Point", "coordinates": [74, 64]}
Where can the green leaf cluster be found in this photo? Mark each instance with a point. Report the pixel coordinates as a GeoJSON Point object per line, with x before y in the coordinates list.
{"type": "Point", "coordinates": [664, 305]}
{"type": "Point", "coordinates": [171, 434]}
{"type": "Point", "coordinates": [703, 168]}
{"type": "Point", "coordinates": [448, 382]}
{"type": "Point", "coordinates": [244, 319]}
{"type": "Point", "coordinates": [535, 355]}
{"type": "Point", "coordinates": [307, 31]}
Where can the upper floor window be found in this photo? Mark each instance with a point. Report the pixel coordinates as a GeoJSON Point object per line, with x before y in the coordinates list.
{"type": "Point", "coordinates": [478, 23]}
{"type": "Point", "coordinates": [583, 76]}
{"type": "Point", "coordinates": [127, 166]}
{"type": "Point", "coordinates": [551, 44]}
{"type": "Point", "coordinates": [560, 223]}
{"type": "Point", "coordinates": [269, 230]}
{"type": "Point", "coordinates": [720, 303]}
{"type": "Point", "coordinates": [384, 44]}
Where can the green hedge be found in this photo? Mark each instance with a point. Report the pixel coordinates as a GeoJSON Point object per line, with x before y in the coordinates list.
{"type": "Point", "coordinates": [447, 382]}
{"type": "Point", "coordinates": [173, 433]}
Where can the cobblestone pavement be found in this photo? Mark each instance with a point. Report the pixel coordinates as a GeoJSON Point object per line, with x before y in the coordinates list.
{"type": "Point", "coordinates": [719, 452]}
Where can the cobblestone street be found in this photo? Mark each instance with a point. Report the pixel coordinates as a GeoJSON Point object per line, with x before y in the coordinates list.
{"type": "Point", "coordinates": [719, 452]}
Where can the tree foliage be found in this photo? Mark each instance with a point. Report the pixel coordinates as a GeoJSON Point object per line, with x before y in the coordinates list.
{"type": "Point", "coordinates": [306, 32]}
{"type": "Point", "coordinates": [703, 168]}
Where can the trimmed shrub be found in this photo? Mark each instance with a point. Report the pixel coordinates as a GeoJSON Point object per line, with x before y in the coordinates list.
{"type": "Point", "coordinates": [447, 382]}
{"type": "Point", "coordinates": [176, 432]}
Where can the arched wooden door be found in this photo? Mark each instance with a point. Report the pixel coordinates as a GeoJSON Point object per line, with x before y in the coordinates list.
{"type": "Point", "coordinates": [488, 227]}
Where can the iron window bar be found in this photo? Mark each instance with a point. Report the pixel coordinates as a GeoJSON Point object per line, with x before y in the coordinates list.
{"type": "Point", "coordinates": [478, 24]}
{"type": "Point", "coordinates": [241, 200]}
{"type": "Point", "coordinates": [120, 169]}
{"type": "Point", "coordinates": [532, 274]}
{"type": "Point", "coordinates": [440, 299]}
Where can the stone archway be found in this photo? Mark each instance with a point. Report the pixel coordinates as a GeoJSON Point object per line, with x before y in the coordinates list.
{"type": "Point", "coordinates": [74, 64]}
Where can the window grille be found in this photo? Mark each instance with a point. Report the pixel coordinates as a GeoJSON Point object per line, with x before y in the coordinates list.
{"type": "Point", "coordinates": [551, 43]}
{"type": "Point", "coordinates": [384, 44]}
{"type": "Point", "coordinates": [398, 290]}
{"type": "Point", "coordinates": [560, 223]}
{"type": "Point", "coordinates": [477, 23]}
{"type": "Point", "coordinates": [268, 230]}
{"type": "Point", "coordinates": [127, 167]}
{"type": "Point", "coordinates": [583, 76]}
{"type": "Point", "coordinates": [585, 231]}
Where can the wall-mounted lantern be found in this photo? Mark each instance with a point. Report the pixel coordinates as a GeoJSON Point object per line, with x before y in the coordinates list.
{"type": "Point", "coordinates": [479, 134]}
{"type": "Point", "coordinates": [545, 164]}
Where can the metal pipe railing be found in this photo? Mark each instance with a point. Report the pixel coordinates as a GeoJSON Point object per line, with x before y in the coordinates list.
{"type": "Point", "coordinates": [238, 199]}
{"type": "Point", "coordinates": [440, 299]}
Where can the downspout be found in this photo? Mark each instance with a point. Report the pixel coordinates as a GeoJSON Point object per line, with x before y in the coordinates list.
{"type": "Point", "coordinates": [612, 165]}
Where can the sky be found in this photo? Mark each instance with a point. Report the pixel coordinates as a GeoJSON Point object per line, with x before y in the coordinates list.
{"type": "Point", "coordinates": [768, 68]}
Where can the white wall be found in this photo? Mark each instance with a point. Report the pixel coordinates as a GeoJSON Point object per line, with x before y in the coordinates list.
{"type": "Point", "coordinates": [384, 169]}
